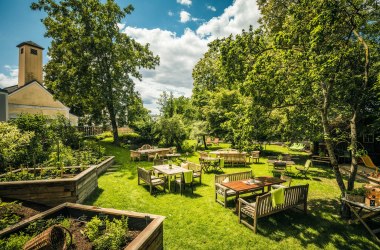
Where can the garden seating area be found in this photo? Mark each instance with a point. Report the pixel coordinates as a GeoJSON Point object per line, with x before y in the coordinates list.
{"type": "Point", "coordinates": [129, 185]}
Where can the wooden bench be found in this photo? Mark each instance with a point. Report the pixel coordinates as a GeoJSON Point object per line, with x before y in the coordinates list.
{"type": "Point", "coordinates": [294, 196]}
{"type": "Point", "coordinates": [234, 158]}
{"type": "Point", "coordinates": [224, 191]}
{"type": "Point", "coordinates": [321, 159]}
{"type": "Point", "coordinates": [149, 179]}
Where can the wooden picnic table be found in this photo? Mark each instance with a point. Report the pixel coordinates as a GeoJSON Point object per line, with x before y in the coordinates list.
{"type": "Point", "coordinates": [358, 208]}
{"type": "Point", "coordinates": [210, 162]}
{"type": "Point", "coordinates": [244, 186]}
{"type": "Point", "coordinates": [170, 171]}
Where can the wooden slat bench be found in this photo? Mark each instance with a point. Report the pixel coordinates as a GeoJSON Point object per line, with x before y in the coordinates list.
{"type": "Point", "coordinates": [224, 191]}
{"type": "Point", "coordinates": [294, 196]}
{"type": "Point", "coordinates": [150, 179]}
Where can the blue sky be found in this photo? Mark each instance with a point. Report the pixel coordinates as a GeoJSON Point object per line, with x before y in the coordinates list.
{"type": "Point", "coordinates": [178, 31]}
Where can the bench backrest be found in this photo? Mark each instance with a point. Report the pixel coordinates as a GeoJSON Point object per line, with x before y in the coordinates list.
{"type": "Point", "coordinates": [233, 157]}
{"type": "Point", "coordinates": [144, 174]}
{"type": "Point", "coordinates": [145, 146]}
{"type": "Point", "coordinates": [294, 196]}
{"type": "Point", "coordinates": [233, 177]}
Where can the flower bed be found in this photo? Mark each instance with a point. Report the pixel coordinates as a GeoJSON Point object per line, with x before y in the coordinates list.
{"type": "Point", "coordinates": [52, 192]}
{"type": "Point", "coordinates": [147, 229]}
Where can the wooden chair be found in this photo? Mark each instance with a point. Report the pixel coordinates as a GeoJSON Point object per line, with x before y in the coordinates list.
{"type": "Point", "coordinates": [186, 179]}
{"type": "Point", "coordinates": [216, 141]}
{"type": "Point", "coordinates": [205, 165]}
{"type": "Point", "coordinates": [149, 179]}
{"type": "Point", "coordinates": [255, 156]}
{"type": "Point", "coordinates": [287, 179]}
{"type": "Point", "coordinates": [202, 154]}
{"type": "Point", "coordinates": [208, 141]}
{"type": "Point", "coordinates": [303, 170]}
{"type": "Point", "coordinates": [196, 168]}
{"type": "Point", "coordinates": [135, 155]}
{"type": "Point", "coordinates": [294, 196]}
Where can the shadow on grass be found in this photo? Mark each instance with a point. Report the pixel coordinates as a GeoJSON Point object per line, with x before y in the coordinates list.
{"type": "Point", "coordinates": [91, 199]}
{"type": "Point", "coordinates": [315, 228]}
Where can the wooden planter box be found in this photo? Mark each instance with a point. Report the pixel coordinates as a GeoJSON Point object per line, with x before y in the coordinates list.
{"type": "Point", "coordinates": [151, 236]}
{"type": "Point", "coordinates": [355, 198]}
{"type": "Point", "coordinates": [56, 191]}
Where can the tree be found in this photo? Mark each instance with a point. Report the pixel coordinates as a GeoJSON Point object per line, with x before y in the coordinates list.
{"type": "Point", "coordinates": [327, 43]}
{"type": "Point", "coordinates": [92, 62]}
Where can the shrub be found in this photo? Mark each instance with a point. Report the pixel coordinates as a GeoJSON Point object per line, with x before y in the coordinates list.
{"type": "Point", "coordinates": [12, 144]}
{"type": "Point", "coordinates": [102, 136]}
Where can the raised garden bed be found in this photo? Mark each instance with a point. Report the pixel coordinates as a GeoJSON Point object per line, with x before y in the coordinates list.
{"type": "Point", "coordinates": [146, 230]}
{"type": "Point", "coordinates": [52, 192]}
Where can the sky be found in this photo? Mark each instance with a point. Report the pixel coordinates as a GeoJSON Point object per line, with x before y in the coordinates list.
{"type": "Point", "coordinates": [178, 31]}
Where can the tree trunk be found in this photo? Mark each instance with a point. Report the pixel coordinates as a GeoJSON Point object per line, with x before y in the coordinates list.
{"type": "Point", "coordinates": [115, 133]}
{"type": "Point", "coordinates": [354, 160]}
{"type": "Point", "coordinates": [204, 141]}
{"type": "Point", "coordinates": [326, 89]}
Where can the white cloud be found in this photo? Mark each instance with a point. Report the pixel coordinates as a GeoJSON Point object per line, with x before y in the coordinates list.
{"type": "Point", "coordinates": [184, 16]}
{"type": "Point", "coordinates": [184, 2]}
{"type": "Point", "coordinates": [170, 13]}
{"type": "Point", "coordinates": [10, 78]}
{"type": "Point", "coordinates": [212, 8]}
{"type": "Point", "coordinates": [234, 18]}
{"type": "Point", "coordinates": [179, 54]}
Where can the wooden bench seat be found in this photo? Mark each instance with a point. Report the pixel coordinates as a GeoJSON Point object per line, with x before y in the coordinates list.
{"type": "Point", "coordinates": [294, 196]}
{"type": "Point", "coordinates": [224, 191]}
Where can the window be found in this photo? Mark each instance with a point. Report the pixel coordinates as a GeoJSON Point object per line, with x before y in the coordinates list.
{"type": "Point", "coordinates": [22, 50]}
{"type": "Point", "coordinates": [33, 51]}
{"type": "Point", "coordinates": [368, 138]}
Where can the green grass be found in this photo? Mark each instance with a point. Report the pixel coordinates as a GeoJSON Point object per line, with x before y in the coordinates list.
{"type": "Point", "coordinates": [198, 222]}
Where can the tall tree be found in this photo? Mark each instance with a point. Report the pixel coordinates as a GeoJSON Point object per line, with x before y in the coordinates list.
{"type": "Point", "coordinates": [328, 41]}
{"type": "Point", "coordinates": [92, 62]}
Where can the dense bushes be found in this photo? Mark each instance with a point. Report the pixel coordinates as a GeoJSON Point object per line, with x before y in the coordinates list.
{"type": "Point", "coordinates": [32, 140]}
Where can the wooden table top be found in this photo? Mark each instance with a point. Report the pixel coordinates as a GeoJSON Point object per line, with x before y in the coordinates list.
{"type": "Point", "coordinates": [260, 182]}
{"type": "Point", "coordinates": [165, 169]}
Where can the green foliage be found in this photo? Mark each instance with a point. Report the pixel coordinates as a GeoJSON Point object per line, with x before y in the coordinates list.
{"type": "Point", "coordinates": [358, 191]}
{"type": "Point", "coordinates": [63, 131]}
{"type": "Point", "coordinates": [171, 131]}
{"type": "Point", "coordinates": [8, 215]}
{"type": "Point", "coordinates": [15, 241]}
{"type": "Point", "coordinates": [107, 134]}
{"type": "Point", "coordinates": [89, 52]}
{"type": "Point", "coordinates": [13, 143]}
{"type": "Point", "coordinates": [106, 234]}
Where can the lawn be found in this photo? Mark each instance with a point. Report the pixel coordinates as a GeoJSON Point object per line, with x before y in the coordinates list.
{"type": "Point", "coordinates": [198, 222]}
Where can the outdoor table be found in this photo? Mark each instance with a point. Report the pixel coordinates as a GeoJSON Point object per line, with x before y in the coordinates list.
{"type": "Point", "coordinates": [173, 171]}
{"type": "Point", "coordinates": [357, 208]}
{"type": "Point", "coordinates": [244, 186]}
{"type": "Point", "coordinates": [288, 163]}
{"type": "Point", "coordinates": [211, 162]}
{"type": "Point", "coordinates": [152, 150]}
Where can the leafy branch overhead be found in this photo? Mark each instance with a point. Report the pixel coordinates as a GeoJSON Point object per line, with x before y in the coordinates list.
{"type": "Point", "coordinates": [92, 62]}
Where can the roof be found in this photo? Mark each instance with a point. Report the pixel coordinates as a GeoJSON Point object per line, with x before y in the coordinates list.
{"type": "Point", "coordinates": [3, 90]}
{"type": "Point", "coordinates": [30, 43]}
{"type": "Point", "coordinates": [11, 89]}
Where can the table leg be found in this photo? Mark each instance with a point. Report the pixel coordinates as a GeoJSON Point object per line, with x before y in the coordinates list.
{"type": "Point", "coordinates": [237, 202]}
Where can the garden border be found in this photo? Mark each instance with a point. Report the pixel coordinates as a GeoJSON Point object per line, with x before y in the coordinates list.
{"type": "Point", "coordinates": [151, 236]}
{"type": "Point", "coordinates": [56, 191]}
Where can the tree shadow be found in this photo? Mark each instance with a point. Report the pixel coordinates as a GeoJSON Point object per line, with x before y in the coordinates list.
{"type": "Point", "coordinates": [315, 228]}
{"type": "Point", "coordinates": [94, 196]}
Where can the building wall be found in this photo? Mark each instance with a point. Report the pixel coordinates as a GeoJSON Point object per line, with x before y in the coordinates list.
{"type": "Point", "coordinates": [3, 106]}
{"type": "Point", "coordinates": [35, 99]}
{"type": "Point", "coordinates": [30, 65]}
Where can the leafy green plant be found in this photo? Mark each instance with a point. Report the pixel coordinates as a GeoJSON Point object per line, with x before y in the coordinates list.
{"type": "Point", "coordinates": [15, 241]}
{"type": "Point", "coordinates": [358, 191]}
{"type": "Point", "coordinates": [8, 215]}
{"type": "Point", "coordinates": [106, 234]}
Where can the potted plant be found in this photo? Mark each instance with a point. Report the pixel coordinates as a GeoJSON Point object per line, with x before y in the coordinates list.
{"type": "Point", "coordinates": [356, 195]}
